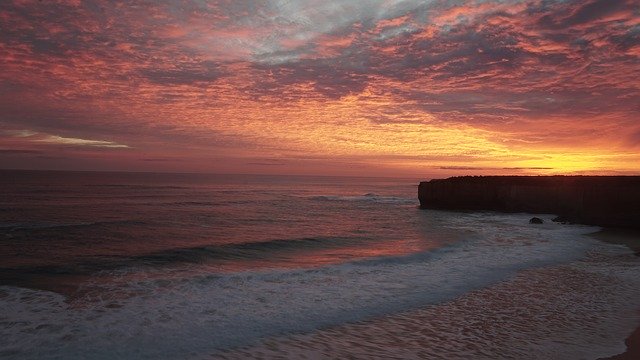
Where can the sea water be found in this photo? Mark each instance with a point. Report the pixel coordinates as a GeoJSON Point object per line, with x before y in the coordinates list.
{"type": "Point", "coordinates": [130, 265]}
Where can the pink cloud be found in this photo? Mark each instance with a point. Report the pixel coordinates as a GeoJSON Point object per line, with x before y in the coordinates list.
{"type": "Point", "coordinates": [229, 81]}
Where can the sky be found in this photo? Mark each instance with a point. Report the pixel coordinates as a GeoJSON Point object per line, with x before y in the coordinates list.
{"type": "Point", "coordinates": [369, 87]}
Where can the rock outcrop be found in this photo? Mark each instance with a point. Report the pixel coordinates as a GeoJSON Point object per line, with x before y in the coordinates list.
{"type": "Point", "coordinates": [612, 201]}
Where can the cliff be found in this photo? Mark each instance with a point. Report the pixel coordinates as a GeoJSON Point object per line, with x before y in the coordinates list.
{"type": "Point", "coordinates": [612, 201]}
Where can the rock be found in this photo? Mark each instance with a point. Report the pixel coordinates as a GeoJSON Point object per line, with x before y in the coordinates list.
{"type": "Point", "coordinates": [560, 219]}
{"type": "Point", "coordinates": [536, 220]}
{"type": "Point", "coordinates": [608, 201]}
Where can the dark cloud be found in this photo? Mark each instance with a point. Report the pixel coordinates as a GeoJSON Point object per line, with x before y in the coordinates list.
{"type": "Point", "coordinates": [566, 14]}
{"type": "Point", "coordinates": [204, 72]}
{"type": "Point", "coordinates": [19, 152]}
{"type": "Point", "coordinates": [628, 39]}
{"type": "Point", "coordinates": [157, 159]}
{"type": "Point", "coordinates": [267, 162]}
{"type": "Point", "coordinates": [333, 78]}
{"type": "Point", "coordinates": [492, 168]}
{"type": "Point", "coordinates": [594, 10]}
{"type": "Point", "coordinates": [264, 164]}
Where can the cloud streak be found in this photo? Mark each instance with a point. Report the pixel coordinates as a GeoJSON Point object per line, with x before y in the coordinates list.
{"type": "Point", "coordinates": [54, 139]}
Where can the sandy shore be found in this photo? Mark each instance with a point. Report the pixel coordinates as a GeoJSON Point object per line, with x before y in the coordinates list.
{"type": "Point", "coordinates": [627, 237]}
{"type": "Point", "coordinates": [633, 348]}
{"type": "Point", "coordinates": [582, 310]}
{"type": "Point", "coordinates": [631, 239]}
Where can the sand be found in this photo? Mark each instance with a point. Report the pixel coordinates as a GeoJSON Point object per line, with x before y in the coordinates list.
{"type": "Point", "coordinates": [633, 348]}
{"type": "Point", "coordinates": [631, 239]}
{"type": "Point", "coordinates": [627, 237]}
{"type": "Point", "coordinates": [582, 310]}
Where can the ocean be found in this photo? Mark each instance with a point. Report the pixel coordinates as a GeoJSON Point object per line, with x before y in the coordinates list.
{"type": "Point", "coordinates": [173, 266]}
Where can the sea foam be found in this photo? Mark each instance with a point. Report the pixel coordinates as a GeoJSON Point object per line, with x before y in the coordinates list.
{"type": "Point", "coordinates": [176, 316]}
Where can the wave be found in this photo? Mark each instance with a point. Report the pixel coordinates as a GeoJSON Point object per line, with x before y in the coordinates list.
{"type": "Point", "coordinates": [137, 186]}
{"type": "Point", "coordinates": [46, 225]}
{"type": "Point", "coordinates": [247, 250]}
{"type": "Point", "coordinates": [204, 254]}
{"type": "Point", "coordinates": [368, 197]}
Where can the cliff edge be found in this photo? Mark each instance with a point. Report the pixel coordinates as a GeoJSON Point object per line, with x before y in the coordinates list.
{"type": "Point", "coordinates": [611, 201]}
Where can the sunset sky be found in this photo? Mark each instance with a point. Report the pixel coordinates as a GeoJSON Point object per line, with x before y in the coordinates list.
{"type": "Point", "coordinates": [384, 88]}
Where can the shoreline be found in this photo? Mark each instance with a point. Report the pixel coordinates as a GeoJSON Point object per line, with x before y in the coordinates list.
{"type": "Point", "coordinates": [546, 312]}
{"type": "Point", "coordinates": [633, 348]}
{"type": "Point", "coordinates": [628, 237]}
{"type": "Point", "coordinates": [631, 239]}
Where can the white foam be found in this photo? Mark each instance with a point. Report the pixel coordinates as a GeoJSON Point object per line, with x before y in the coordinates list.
{"type": "Point", "coordinates": [174, 318]}
{"type": "Point", "coordinates": [582, 310]}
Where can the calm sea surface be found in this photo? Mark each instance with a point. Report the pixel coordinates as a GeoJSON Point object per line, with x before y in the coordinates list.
{"type": "Point", "coordinates": [104, 265]}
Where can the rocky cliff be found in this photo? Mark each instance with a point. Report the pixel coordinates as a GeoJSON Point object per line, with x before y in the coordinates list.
{"type": "Point", "coordinates": [595, 200]}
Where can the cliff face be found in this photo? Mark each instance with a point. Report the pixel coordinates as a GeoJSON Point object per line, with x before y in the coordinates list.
{"type": "Point", "coordinates": [593, 200]}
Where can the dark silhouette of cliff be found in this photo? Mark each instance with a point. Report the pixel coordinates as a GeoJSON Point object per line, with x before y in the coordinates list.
{"type": "Point", "coordinates": [612, 201]}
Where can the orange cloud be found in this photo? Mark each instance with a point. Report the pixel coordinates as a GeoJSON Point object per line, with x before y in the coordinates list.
{"type": "Point", "coordinates": [389, 88]}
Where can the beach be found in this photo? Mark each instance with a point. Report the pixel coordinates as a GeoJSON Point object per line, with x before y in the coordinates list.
{"type": "Point", "coordinates": [631, 239]}
{"type": "Point", "coordinates": [633, 348]}
{"type": "Point", "coordinates": [583, 310]}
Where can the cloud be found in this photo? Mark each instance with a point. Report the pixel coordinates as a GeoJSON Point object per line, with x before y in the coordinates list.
{"type": "Point", "coordinates": [493, 168]}
{"type": "Point", "coordinates": [334, 79]}
{"type": "Point", "coordinates": [36, 137]}
{"type": "Point", "coordinates": [54, 139]}
{"type": "Point", "coordinates": [205, 72]}
{"type": "Point", "coordinates": [598, 10]}
{"type": "Point", "coordinates": [267, 162]}
{"type": "Point", "coordinates": [20, 133]}
{"type": "Point", "coordinates": [157, 159]}
{"type": "Point", "coordinates": [19, 152]}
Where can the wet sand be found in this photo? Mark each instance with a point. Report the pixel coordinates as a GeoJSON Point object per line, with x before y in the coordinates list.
{"type": "Point", "coordinates": [627, 237]}
{"type": "Point", "coordinates": [631, 239]}
{"type": "Point", "coordinates": [582, 310]}
{"type": "Point", "coordinates": [633, 348]}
